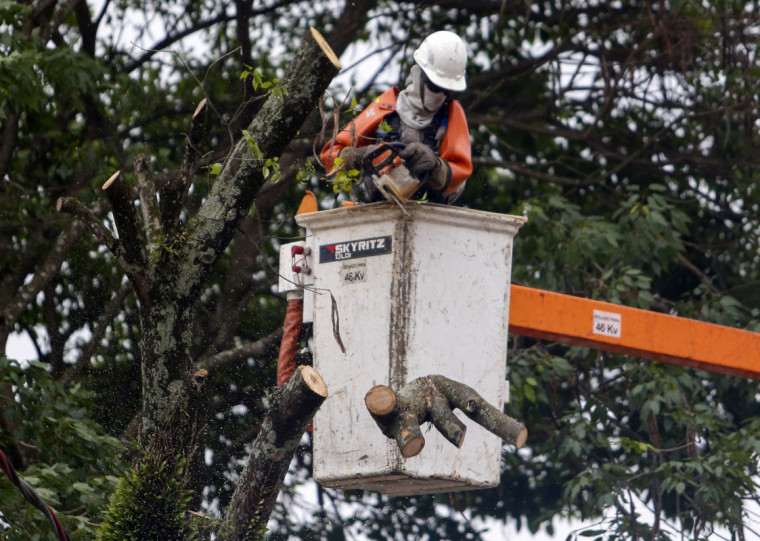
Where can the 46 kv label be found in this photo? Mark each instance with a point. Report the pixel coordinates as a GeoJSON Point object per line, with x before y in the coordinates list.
{"type": "Point", "coordinates": [353, 273]}
{"type": "Point", "coordinates": [607, 324]}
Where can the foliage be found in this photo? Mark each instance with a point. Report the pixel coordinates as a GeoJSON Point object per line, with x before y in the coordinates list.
{"type": "Point", "coordinates": [624, 131]}
{"type": "Point", "coordinates": [344, 179]}
{"type": "Point", "coordinates": [271, 168]}
{"type": "Point", "coordinates": [72, 463]}
{"type": "Point", "coordinates": [164, 479]}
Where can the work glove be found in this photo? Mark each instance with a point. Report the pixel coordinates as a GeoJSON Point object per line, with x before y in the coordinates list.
{"type": "Point", "coordinates": [439, 177]}
{"type": "Point", "coordinates": [419, 159]}
{"type": "Point", "coordinates": [352, 156]}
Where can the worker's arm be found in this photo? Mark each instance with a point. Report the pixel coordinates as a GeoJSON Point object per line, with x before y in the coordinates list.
{"type": "Point", "coordinates": [455, 148]}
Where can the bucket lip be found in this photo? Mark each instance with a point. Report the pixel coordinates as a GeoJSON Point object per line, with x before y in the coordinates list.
{"type": "Point", "coordinates": [376, 212]}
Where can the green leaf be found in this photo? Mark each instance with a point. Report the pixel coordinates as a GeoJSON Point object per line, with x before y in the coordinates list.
{"type": "Point", "coordinates": [529, 393]}
{"type": "Point", "coordinates": [83, 488]}
{"type": "Point", "coordinates": [592, 533]}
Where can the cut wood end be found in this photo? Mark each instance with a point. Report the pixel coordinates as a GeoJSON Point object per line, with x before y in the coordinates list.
{"type": "Point", "coordinates": [413, 447]}
{"type": "Point", "coordinates": [461, 438]}
{"type": "Point", "coordinates": [111, 180]}
{"type": "Point", "coordinates": [59, 204]}
{"type": "Point", "coordinates": [521, 438]}
{"type": "Point", "coordinates": [380, 400]}
{"type": "Point", "coordinates": [325, 47]}
{"type": "Point", "coordinates": [313, 380]}
{"type": "Point", "coordinates": [200, 107]}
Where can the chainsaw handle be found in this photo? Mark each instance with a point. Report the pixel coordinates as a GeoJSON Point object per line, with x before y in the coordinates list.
{"type": "Point", "coordinates": [392, 149]}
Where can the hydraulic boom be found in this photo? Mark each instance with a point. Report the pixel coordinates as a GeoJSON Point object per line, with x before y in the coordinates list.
{"type": "Point", "coordinates": [630, 331]}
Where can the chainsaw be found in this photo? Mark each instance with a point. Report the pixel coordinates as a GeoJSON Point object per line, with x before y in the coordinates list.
{"type": "Point", "coordinates": [390, 175]}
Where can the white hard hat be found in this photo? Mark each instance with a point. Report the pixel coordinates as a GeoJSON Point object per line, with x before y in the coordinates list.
{"type": "Point", "coordinates": [443, 57]}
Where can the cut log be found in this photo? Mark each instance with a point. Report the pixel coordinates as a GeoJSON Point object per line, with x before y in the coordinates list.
{"type": "Point", "coordinates": [380, 400]}
{"type": "Point", "coordinates": [433, 399]}
{"type": "Point", "coordinates": [479, 410]}
{"type": "Point", "coordinates": [448, 424]}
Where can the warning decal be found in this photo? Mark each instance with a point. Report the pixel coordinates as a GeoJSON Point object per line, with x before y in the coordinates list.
{"type": "Point", "coordinates": [354, 249]}
{"type": "Point", "coordinates": [607, 323]}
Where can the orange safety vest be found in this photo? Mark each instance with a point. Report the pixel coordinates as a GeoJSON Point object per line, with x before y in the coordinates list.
{"type": "Point", "coordinates": [455, 147]}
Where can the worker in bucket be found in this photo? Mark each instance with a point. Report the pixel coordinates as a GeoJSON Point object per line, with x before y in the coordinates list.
{"type": "Point", "coordinates": [424, 120]}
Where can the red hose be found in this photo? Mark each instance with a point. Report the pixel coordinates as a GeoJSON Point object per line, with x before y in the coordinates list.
{"type": "Point", "coordinates": [286, 362]}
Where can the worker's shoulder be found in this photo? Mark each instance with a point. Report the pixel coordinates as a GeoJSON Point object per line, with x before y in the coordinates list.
{"type": "Point", "coordinates": [386, 100]}
{"type": "Point", "coordinates": [381, 106]}
{"type": "Point", "coordinates": [455, 106]}
{"type": "Point", "coordinates": [456, 112]}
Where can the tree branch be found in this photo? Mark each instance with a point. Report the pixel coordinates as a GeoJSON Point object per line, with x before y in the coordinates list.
{"type": "Point", "coordinates": [161, 46]}
{"type": "Point", "coordinates": [243, 9]}
{"type": "Point", "coordinates": [104, 321]}
{"type": "Point", "coordinates": [173, 194]}
{"type": "Point", "coordinates": [293, 406]}
{"type": "Point", "coordinates": [231, 357]}
{"type": "Point", "coordinates": [479, 410]}
{"type": "Point", "coordinates": [87, 29]}
{"type": "Point", "coordinates": [72, 206]}
{"type": "Point", "coordinates": [278, 121]}
{"type": "Point", "coordinates": [122, 200]}
{"type": "Point", "coordinates": [10, 136]}
{"type": "Point", "coordinates": [353, 19]}
{"type": "Point", "coordinates": [146, 187]}
{"type": "Point", "coordinates": [42, 276]}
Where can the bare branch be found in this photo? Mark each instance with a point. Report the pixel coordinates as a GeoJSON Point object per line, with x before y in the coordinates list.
{"type": "Point", "coordinates": [479, 410]}
{"type": "Point", "coordinates": [10, 135]}
{"type": "Point", "coordinates": [122, 200]}
{"type": "Point", "coordinates": [42, 275]}
{"type": "Point", "coordinates": [72, 206]}
{"type": "Point", "coordinates": [106, 317]}
{"type": "Point", "coordinates": [168, 41]}
{"type": "Point", "coordinates": [224, 359]}
{"type": "Point", "coordinates": [173, 194]}
{"type": "Point", "coordinates": [349, 24]}
{"type": "Point", "coordinates": [277, 123]}
{"type": "Point", "coordinates": [146, 187]}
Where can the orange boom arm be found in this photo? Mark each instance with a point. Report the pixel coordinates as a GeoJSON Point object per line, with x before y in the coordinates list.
{"type": "Point", "coordinates": [630, 331]}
